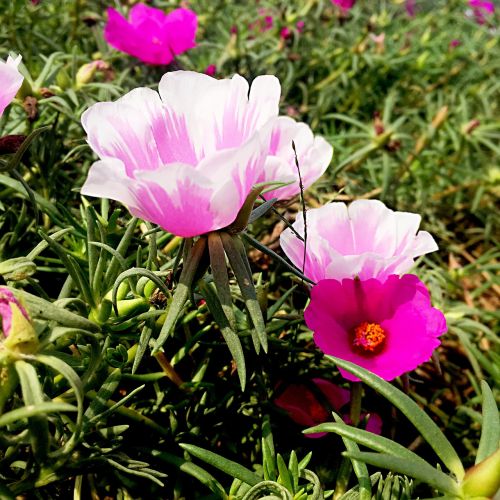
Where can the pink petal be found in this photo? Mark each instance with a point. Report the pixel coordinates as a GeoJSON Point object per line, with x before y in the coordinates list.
{"type": "Point", "coordinates": [313, 153]}
{"type": "Point", "coordinates": [151, 35]}
{"type": "Point", "coordinates": [181, 25]}
{"type": "Point", "coordinates": [336, 396]}
{"type": "Point", "coordinates": [220, 114]}
{"type": "Point", "coordinates": [129, 129]}
{"type": "Point", "coordinates": [10, 81]}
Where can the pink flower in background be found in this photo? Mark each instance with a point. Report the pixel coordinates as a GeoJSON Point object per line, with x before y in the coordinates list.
{"type": "Point", "coordinates": [210, 70]}
{"type": "Point", "coordinates": [481, 9]}
{"type": "Point", "coordinates": [9, 307]}
{"type": "Point", "coordinates": [185, 158]}
{"type": "Point", "coordinates": [365, 240]}
{"type": "Point", "coordinates": [151, 35]}
{"type": "Point", "coordinates": [388, 327]}
{"type": "Point", "coordinates": [313, 153]}
{"type": "Point", "coordinates": [344, 4]}
{"type": "Point", "coordinates": [410, 7]}
{"type": "Point", "coordinates": [304, 407]}
{"type": "Point", "coordinates": [286, 33]}
{"type": "Point", "coordinates": [10, 81]}
{"type": "Point", "coordinates": [268, 23]}
{"type": "Point", "coordinates": [300, 26]}
{"type": "Point", "coordinates": [455, 43]}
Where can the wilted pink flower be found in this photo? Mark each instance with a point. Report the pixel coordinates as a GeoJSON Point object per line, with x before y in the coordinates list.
{"type": "Point", "coordinates": [185, 159]}
{"type": "Point", "coordinates": [210, 70]}
{"type": "Point", "coordinates": [151, 35]}
{"type": "Point", "coordinates": [410, 7]}
{"type": "Point", "coordinates": [313, 154]}
{"type": "Point", "coordinates": [9, 303]}
{"type": "Point", "coordinates": [388, 327]}
{"type": "Point", "coordinates": [365, 240]}
{"type": "Point", "coordinates": [10, 81]}
{"type": "Point", "coordinates": [344, 4]}
{"type": "Point", "coordinates": [304, 407]}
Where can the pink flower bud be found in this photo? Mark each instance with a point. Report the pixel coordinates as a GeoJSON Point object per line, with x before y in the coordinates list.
{"type": "Point", "coordinates": [8, 303]}
{"type": "Point", "coordinates": [17, 333]}
{"type": "Point", "coordinates": [211, 70]}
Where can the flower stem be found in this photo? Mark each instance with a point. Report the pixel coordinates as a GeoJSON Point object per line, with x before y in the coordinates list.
{"type": "Point", "coordinates": [168, 369]}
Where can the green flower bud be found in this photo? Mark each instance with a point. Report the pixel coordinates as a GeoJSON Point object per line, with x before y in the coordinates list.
{"type": "Point", "coordinates": [483, 480]}
{"type": "Point", "coordinates": [17, 269]}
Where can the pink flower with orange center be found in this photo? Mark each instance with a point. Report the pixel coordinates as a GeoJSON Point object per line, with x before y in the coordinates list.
{"type": "Point", "coordinates": [386, 326]}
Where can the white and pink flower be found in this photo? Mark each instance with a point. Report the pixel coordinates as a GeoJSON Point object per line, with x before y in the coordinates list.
{"type": "Point", "coordinates": [187, 157]}
{"type": "Point", "coordinates": [365, 240]}
{"type": "Point", "coordinates": [10, 81]}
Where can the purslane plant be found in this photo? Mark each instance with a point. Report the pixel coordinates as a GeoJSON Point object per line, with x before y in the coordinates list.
{"type": "Point", "coordinates": [478, 482]}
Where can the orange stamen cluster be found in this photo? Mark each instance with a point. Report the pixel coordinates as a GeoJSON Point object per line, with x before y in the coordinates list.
{"type": "Point", "coordinates": [369, 337]}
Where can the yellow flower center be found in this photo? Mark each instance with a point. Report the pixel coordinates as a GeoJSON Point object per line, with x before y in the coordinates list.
{"type": "Point", "coordinates": [368, 338]}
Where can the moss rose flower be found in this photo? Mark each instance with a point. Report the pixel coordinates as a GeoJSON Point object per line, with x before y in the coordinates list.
{"type": "Point", "coordinates": [388, 327]}
{"type": "Point", "coordinates": [365, 240]}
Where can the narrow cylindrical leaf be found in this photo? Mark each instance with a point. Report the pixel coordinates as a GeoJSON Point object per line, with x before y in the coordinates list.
{"type": "Point", "coordinates": [233, 469]}
{"type": "Point", "coordinates": [232, 340]}
{"type": "Point", "coordinates": [221, 279]}
{"type": "Point", "coordinates": [245, 282]}
{"type": "Point", "coordinates": [422, 422]}
{"type": "Point", "coordinates": [427, 474]}
{"type": "Point", "coordinates": [490, 433]}
{"type": "Point", "coordinates": [182, 291]}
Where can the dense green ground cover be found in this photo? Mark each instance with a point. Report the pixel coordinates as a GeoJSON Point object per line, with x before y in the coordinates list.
{"type": "Point", "coordinates": [415, 122]}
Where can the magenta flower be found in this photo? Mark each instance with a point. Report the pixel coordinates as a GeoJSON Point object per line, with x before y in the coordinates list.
{"type": "Point", "coordinates": [300, 26]}
{"type": "Point", "coordinates": [286, 33]}
{"type": "Point", "coordinates": [304, 407]}
{"type": "Point", "coordinates": [268, 23]}
{"type": "Point", "coordinates": [9, 306]}
{"type": "Point", "coordinates": [410, 7]}
{"type": "Point", "coordinates": [388, 327]}
{"type": "Point", "coordinates": [185, 159]}
{"type": "Point", "coordinates": [365, 240]}
{"type": "Point", "coordinates": [313, 154]}
{"type": "Point", "coordinates": [151, 35]}
{"type": "Point", "coordinates": [210, 70]}
{"type": "Point", "coordinates": [10, 81]}
{"type": "Point", "coordinates": [344, 4]}
{"type": "Point", "coordinates": [481, 9]}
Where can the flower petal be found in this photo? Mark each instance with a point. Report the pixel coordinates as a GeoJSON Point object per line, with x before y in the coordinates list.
{"type": "Point", "coordinates": [313, 154]}
{"type": "Point", "coordinates": [10, 81]}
